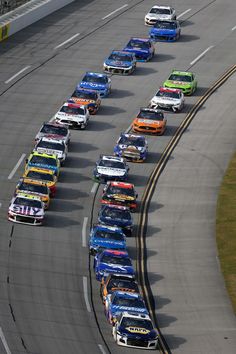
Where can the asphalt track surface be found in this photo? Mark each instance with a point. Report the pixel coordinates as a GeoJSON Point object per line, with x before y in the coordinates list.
{"type": "Point", "coordinates": [45, 302]}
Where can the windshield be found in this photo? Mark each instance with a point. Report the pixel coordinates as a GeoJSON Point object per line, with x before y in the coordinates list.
{"type": "Point", "coordinates": [129, 302]}
{"type": "Point", "coordinates": [168, 94]}
{"type": "Point", "coordinates": [135, 322]}
{"type": "Point", "coordinates": [113, 213]}
{"type": "Point", "coordinates": [43, 160]}
{"type": "Point", "coordinates": [112, 164]}
{"type": "Point", "coordinates": [183, 78]}
{"type": "Point", "coordinates": [166, 25]}
{"type": "Point", "coordinates": [51, 146]}
{"type": "Point", "coordinates": [138, 44]}
{"type": "Point", "coordinates": [41, 176]}
{"type": "Point", "coordinates": [109, 259]}
{"type": "Point", "coordinates": [131, 140]}
{"type": "Point", "coordinates": [85, 95]}
{"type": "Point", "coordinates": [96, 79]}
{"type": "Point", "coordinates": [36, 188]}
{"type": "Point", "coordinates": [160, 11]}
{"type": "Point", "coordinates": [152, 115]}
{"type": "Point", "coordinates": [119, 190]}
{"type": "Point", "coordinates": [28, 202]}
{"type": "Point", "coordinates": [72, 110]}
{"type": "Point", "coordinates": [119, 57]}
{"type": "Point", "coordinates": [54, 130]}
{"type": "Point", "coordinates": [122, 284]}
{"type": "Point", "coordinates": [112, 236]}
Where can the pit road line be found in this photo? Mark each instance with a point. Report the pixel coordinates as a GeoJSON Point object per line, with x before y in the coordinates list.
{"type": "Point", "coordinates": [17, 74]}
{"type": "Point", "coordinates": [102, 349]}
{"type": "Point", "coordinates": [183, 13]}
{"type": "Point", "coordinates": [201, 55]}
{"type": "Point", "coordinates": [94, 187]}
{"type": "Point", "coordinates": [4, 342]}
{"type": "Point", "coordinates": [234, 28]}
{"type": "Point", "coordinates": [113, 12]}
{"type": "Point", "coordinates": [68, 40]}
{"type": "Point", "coordinates": [16, 166]}
{"type": "Point", "coordinates": [85, 222]}
{"type": "Point", "coordinates": [85, 287]}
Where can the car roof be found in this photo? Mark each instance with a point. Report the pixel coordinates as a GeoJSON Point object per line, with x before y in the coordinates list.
{"type": "Point", "coordinates": [122, 276]}
{"type": "Point", "coordinates": [140, 39]}
{"type": "Point", "coordinates": [121, 184]}
{"type": "Point", "coordinates": [112, 158]}
{"type": "Point", "coordinates": [33, 181]}
{"type": "Point", "coordinates": [187, 73]}
{"type": "Point", "coordinates": [127, 294]}
{"type": "Point", "coordinates": [165, 89]}
{"type": "Point", "coordinates": [147, 109]}
{"type": "Point", "coordinates": [28, 196]}
{"type": "Point", "coordinates": [108, 227]}
{"type": "Point", "coordinates": [122, 52]}
{"type": "Point", "coordinates": [71, 104]}
{"type": "Point", "coordinates": [51, 140]}
{"type": "Point", "coordinates": [161, 7]}
{"type": "Point", "coordinates": [90, 73]}
{"type": "Point", "coordinates": [113, 206]}
{"type": "Point", "coordinates": [127, 135]}
{"type": "Point", "coordinates": [136, 315]}
{"type": "Point", "coordinates": [41, 170]}
{"type": "Point", "coordinates": [115, 253]}
{"type": "Point", "coordinates": [43, 154]}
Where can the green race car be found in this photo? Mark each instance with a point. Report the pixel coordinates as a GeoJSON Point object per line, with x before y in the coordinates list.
{"type": "Point", "coordinates": [184, 80]}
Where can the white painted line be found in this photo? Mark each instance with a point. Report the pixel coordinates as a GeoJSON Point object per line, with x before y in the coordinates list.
{"type": "Point", "coordinates": [183, 13]}
{"type": "Point", "coordinates": [85, 286]}
{"type": "Point", "coordinates": [4, 342]}
{"type": "Point", "coordinates": [0, 205]}
{"type": "Point", "coordinates": [17, 74]}
{"type": "Point", "coordinates": [234, 28]}
{"type": "Point", "coordinates": [84, 244]}
{"type": "Point", "coordinates": [68, 40]}
{"type": "Point", "coordinates": [16, 166]}
{"type": "Point", "coordinates": [113, 12]}
{"type": "Point", "coordinates": [102, 349]}
{"type": "Point", "coordinates": [94, 187]}
{"type": "Point", "coordinates": [201, 55]}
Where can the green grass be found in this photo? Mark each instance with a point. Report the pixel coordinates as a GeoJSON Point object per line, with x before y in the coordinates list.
{"type": "Point", "coordinates": [226, 229]}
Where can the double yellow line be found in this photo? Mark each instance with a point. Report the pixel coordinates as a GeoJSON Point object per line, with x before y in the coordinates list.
{"type": "Point", "coordinates": [146, 198]}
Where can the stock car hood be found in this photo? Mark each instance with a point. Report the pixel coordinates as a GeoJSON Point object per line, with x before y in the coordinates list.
{"type": "Point", "coordinates": [58, 153]}
{"type": "Point", "coordinates": [177, 84]}
{"type": "Point", "coordinates": [109, 244]}
{"type": "Point", "coordinates": [72, 117]}
{"type": "Point", "coordinates": [115, 268]}
{"type": "Point", "coordinates": [166, 100]}
{"type": "Point", "coordinates": [156, 123]}
{"type": "Point", "coordinates": [119, 64]}
{"type": "Point", "coordinates": [109, 171]}
{"type": "Point", "coordinates": [120, 197]}
{"type": "Point", "coordinates": [138, 332]}
{"type": "Point", "coordinates": [92, 85]}
{"type": "Point", "coordinates": [26, 210]}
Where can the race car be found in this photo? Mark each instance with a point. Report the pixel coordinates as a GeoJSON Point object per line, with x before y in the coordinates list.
{"type": "Point", "coordinates": [165, 31]}
{"type": "Point", "coordinates": [120, 301]}
{"type": "Point", "coordinates": [132, 147]}
{"type": "Point", "coordinates": [117, 282]}
{"type": "Point", "coordinates": [135, 330]}
{"type": "Point", "coordinates": [106, 237]}
{"type": "Point", "coordinates": [26, 209]}
{"type": "Point", "coordinates": [110, 168]}
{"type": "Point", "coordinates": [120, 193]}
{"type": "Point", "coordinates": [158, 12]}
{"type": "Point", "coordinates": [90, 98]}
{"type": "Point", "coordinates": [183, 80]}
{"type": "Point", "coordinates": [73, 115]}
{"type": "Point", "coordinates": [54, 131]}
{"type": "Point", "coordinates": [45, 161]}
{"type": "Point", "coordinates": [34, 187]}
{"type": "Point", "coordinates": [120, 62]}
{"type": "Point", "coordinates": [166, 98]}
{"type": "Point", "coordinates": [52, 147]}
{"type": "Point", "coordinates": [149, 120]}
{"type": "Point", "coordinates": [116, 215]}
{"type": "Point", "coordinates": [96, 81]}
{"type": "Point", "coordinates": [111, 261]}
{"type": "Point", "coordinates": [40, 174]}
{"type": "Point", "coordinates": [142, 48]}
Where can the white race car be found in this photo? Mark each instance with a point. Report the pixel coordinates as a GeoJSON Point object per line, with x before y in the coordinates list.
{"type": "Point", "coordinates": [110, 168]}
{"type": "Point", "coordinates": [166, 98]}
{"type": "Point", "coordinates": [26, 209]}
{"type": "Point", "coordinates": [52, 147]}
{"type": "Point", "coordinates": [159, 13]}
{"type": "Point", "coordinates": [135, 330]}
{"type": "Point", "coordinates": [73, 115]}
{"type": "Point", "coordinates": [54, 131]}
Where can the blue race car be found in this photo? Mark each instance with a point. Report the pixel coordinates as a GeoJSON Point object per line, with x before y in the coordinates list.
{"type": "Point", "coordinates": [106, 237]}
{"type": "Point", "coordinates": [132, 147]}
{"type": "Point", "coordinates": [120, 62]}
{"type": "Point", "coordinates": [120, 301]}
{"type": "Point", "coordinates": [96, 81]}
{"type": "Point", "coordinates": [165, 31]}
{"type": "Point", "coordinates": [142, 48]}
{"type": "Point", "coordinates": [114, 215]}
{"type": "Point", "coordinates": [110, 262]}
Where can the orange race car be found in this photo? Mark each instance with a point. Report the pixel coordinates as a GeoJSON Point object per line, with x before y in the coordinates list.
{"type": "Point", "coordinates": [149, 120]}
{"type": "Point", "coordinates": [91, 98]}
{"type": "Point", "coordinates": [117, 282]}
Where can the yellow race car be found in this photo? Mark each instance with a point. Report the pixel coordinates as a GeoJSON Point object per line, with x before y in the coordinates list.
{"type": "Point", "coordinates": [34, 187]}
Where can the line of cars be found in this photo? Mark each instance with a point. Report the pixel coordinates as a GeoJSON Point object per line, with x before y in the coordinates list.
{"type": "Point", "coordinates": [124, 306]}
